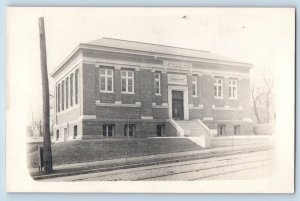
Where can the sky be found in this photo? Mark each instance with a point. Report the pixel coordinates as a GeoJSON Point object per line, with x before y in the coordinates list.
{"type": "Point", "coordinates": [262, 37]}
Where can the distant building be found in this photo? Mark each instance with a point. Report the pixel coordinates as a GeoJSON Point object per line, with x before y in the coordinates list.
{"type": "Point", "coordinates": [117, 88]}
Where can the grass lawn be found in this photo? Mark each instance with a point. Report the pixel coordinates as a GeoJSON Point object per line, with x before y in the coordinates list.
{"type": "Point", "coordinates": [84, 151]}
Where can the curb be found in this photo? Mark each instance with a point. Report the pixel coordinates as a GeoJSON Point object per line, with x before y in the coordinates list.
{"type": "Point", "coordinates": [152, 162]}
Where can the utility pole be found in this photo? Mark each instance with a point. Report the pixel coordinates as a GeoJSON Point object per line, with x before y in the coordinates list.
{"type": "Point", "coordinates": [47, 153]}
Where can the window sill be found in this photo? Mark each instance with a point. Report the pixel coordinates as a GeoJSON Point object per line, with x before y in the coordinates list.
{"type": "Point", "coordinates": [233, 98]}
{"type": "Point", "coordinates": [219, 98]}
{"type": "Point", "coordinates": [107, 92]}
{"type": "Point", "coordinates": [132, 93]}
{"type": "Point", "coordinates": [157, 94]}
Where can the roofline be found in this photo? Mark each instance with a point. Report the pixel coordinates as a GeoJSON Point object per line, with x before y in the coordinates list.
{"type": "Point", "coordinates": [234, 62]}
{"type": "Point", "coordinates": [65, 60]}
{"type": "Point", "coordinates": [183, 48]}
{"type": "Point", "coordinates": [82, 46]}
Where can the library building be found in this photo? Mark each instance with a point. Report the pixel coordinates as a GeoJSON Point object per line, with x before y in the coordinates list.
{"type": "Point", "coordinates": [112, 88]}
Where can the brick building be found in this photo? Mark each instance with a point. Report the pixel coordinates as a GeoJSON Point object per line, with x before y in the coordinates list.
{"type": "Point", "coordinates": [117, 88]}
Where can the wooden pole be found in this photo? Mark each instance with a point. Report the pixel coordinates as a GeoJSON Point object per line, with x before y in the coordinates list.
{"type": "Point", "coordinates": [46, 106]}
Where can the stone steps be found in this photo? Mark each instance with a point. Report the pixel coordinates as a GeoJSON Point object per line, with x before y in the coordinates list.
{"type": "Point", "coordinates": [192, 128]}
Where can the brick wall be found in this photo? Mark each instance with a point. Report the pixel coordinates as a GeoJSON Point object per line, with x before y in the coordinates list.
{"type": "Point", "coordinates": [160, 113]}
{"type": "Point", "coordinates": [93, 129]}
{"type": "Point", "coordinates": [112, 112]}
{"type": "Point", "coordinates": [146, 92]}
{"type": "Point", "coordinates": [88, 85]}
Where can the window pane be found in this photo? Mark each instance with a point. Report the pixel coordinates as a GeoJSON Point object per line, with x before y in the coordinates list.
{"type": "Point", "coordinates": [110, 130]}
{"type": "Point", "coordinates": [130, 85]}
{"type": "Point", "coordinates": [215, 90]}
{"type": "Point", "coordinates": [76, 86]}
{"type": "Point", "coordinates": [71, 89]}
{"type": "Point", "coordinates": [67, 93]}
{"type": "Point", "coordinates": [125, 129]}
{"type": "Point", "coordinates": [104, 131]}
{"type": "Point", "coordinates": [58, 98]}
{"type": "Point", "coordinates": [130, 73]}
{"type": "Point", "coordinates": [156, 76]}
{"type": "Point", "coordinates": [109, 84]}
{"type": "Point", "coordinates": [102, 83]}
{"type": "Point", "coordinates": [123, 73]}
{"type": "Point", "coordinates": [103, 86]}
{"type": "Point", "coordinates": [109, 72]}
{"type": "Point", "coordinates": [63, 95]}
{"type": "Point", "coordinates": [131, 129]}
{"type": "Point", "coordinates": [102, 72]}
{"type": "Point", "coordinates": [130, 88]}
{"type": "Point", "coordinates": [124, 84]}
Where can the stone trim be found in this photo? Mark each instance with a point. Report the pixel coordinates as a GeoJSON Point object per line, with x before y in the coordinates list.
{"type": "Point", "coordinates": [227, 107]}
{"type": "Point", "coordinates": [199, 107]}
{"type": "Point", "coordinates": [160, 106]}
{"type": "Point", "coordinates": [147, 117]}
{"type": "Point", "coordinates": [88, 117]}
{"type": "Point", "coordinates": [118, 104]}
{"type": "Point", "coordinates": [247, 120]}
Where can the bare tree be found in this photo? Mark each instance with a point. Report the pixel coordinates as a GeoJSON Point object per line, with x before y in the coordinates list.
{"type": "Point", "coordinates": [262, 95]}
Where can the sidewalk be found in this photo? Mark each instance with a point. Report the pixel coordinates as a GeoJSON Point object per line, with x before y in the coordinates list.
{"type": "Point", "coordinates": [123, 163]}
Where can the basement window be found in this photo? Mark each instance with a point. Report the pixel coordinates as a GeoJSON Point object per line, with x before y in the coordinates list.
{"type": "Point", "coordinates": [129, 130]}
{"type": "Point", "coordinates": [236, 129]}
{"type": "Point", "coordinates": [57, 135]}
{"type": "Point", "coordinates": [159, 130]}
{"type": "Point", "coordinates": [221, 129]}
{"type": "Point", "coordinates": [75, 132]}
{"type": "Point", "coordinates": [108, 130]}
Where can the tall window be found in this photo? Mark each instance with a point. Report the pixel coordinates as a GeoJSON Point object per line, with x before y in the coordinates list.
{"type": "Point", "coordinates": [106, 80]}
{"type": "Point", "coordinates": [67, 93]}
{"type": "Point", "coordinates": [157, 83]}
{"type": "Point", "coordinates": [71, 90]}
{"type": "Point", "coordinates": [194, 85]}
{"type": "Point", "coordinates": [62, 95]}
{"type": "Point", "coordinates": [108, 130]}
{"type": "Point", "coordinates": [76, 86]}
{"type": "Point", "coordinates": [232, 89]}
{"type": "Point", "coordinates": [58, 97]}
{"type": "Point", "coordinates": [127, 82]}
{"type": "Point", "coordinates": [129, 130]}
{"type": "Point", "coordinates": [218, 87]}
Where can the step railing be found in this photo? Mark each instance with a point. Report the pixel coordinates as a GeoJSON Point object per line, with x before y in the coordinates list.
{"type": "Point", "coordinates": [206, 129]}
{"type": "Point", "coordinates": [180, 131]}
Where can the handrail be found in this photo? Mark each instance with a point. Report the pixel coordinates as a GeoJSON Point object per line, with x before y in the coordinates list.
{"type": "Point", "coordinates": [208, 131]}
{"type": "Point", "coordinates": [180, 130]}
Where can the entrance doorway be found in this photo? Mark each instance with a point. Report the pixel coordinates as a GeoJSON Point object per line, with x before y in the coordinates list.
{"type": "Point", "coordinates": [177, 105]}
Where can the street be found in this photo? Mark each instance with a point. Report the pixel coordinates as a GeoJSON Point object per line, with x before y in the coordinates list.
{"type": "Point", "coordinates": [251, 165]}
